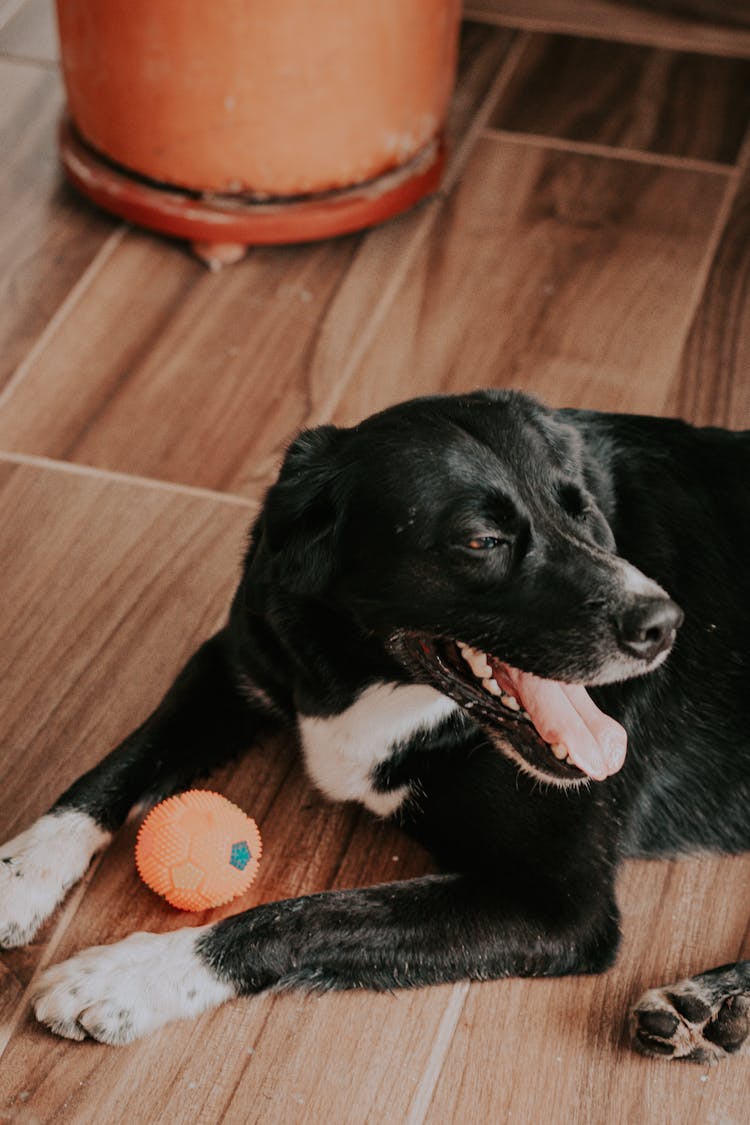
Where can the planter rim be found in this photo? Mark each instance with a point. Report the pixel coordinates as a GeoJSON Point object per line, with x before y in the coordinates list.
{"type": "Point", "coordinates": [234, 219]}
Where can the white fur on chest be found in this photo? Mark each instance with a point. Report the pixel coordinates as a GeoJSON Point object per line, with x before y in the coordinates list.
{"type": "Point", "coordinates": [343, 751]}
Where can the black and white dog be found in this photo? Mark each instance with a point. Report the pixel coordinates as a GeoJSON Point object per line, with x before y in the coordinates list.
{"type": "Point", "coordinates": [464, 609]}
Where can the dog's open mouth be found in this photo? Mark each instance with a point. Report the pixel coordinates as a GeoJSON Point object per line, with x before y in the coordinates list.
{"type": "Point", "coordinates": [555, 727]}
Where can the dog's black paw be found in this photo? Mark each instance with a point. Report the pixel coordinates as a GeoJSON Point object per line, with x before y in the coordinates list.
{"type": "Point", "coordinates": [702, 1019]}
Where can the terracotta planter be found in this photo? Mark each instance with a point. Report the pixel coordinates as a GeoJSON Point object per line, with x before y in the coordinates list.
{"type": "Point", "coordinates": [258, 102]}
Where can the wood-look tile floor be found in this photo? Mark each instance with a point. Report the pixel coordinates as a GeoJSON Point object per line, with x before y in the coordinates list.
{"type": "Point", "coordinates": [590, 244]}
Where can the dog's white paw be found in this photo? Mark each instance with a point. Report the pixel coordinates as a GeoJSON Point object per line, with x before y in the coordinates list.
{"type": "Point", "coordinates": [38, 866]}
{"type": "Point", "coordinates": [116, 993]}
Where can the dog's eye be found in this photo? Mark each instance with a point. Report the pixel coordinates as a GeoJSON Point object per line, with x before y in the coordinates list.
{"type": "Point", "coordinates": [484, 543]}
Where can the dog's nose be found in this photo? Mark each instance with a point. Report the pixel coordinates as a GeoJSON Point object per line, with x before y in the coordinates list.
{"type": "Point", "coordinates": [648, 627]}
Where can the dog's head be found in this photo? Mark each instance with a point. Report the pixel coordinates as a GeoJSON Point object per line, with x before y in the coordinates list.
{"type": "Point", "coordinates": [470, 534]}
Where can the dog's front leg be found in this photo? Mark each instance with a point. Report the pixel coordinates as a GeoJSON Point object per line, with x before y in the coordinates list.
{"type": "Point", "coordinates": [429, 930]}
{"type": "Point", "coordinates": [202, 721]}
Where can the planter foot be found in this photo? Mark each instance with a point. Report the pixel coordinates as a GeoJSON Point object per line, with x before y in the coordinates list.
{"type": "Point", "coordinates": [216, 255]}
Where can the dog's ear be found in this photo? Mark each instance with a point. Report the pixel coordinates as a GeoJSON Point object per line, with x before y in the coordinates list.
{"type": "Point", "coordinates": [304, 511]}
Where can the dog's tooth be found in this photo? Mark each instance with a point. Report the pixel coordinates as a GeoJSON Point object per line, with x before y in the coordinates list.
{"type": "Point", "coordinates": [559, 750]}
{"type": "Point", "coordinates": [511, 702]}
{"type": "Point", "coordinates": [491, 686]}
{"type": "Point", "coordinates": [477, 661]}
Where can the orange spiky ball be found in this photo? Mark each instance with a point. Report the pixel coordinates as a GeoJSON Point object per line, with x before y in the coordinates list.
{"type": "Point", "coordinates": [198, 850]}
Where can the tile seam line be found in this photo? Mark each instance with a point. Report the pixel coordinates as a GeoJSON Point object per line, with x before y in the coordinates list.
{"type": "Point", "coordinates": [504, 77]}
{"type": "Point", "coordinates": [97, 263]}
{"type": "Point", "coordinates": [91, 471]}
{"type": "Point", "coordinates": [10, 1026]}
{"type": "Point", "coordinates": [743, 156]}
{"type": "Point", "coordinates": [726, 207]}
{"type": "Point", "coordinates": [433, 1069]}
{"type": "Point", "coordinates": [18, 59]}
{"type": "Point", "coordinates": [665, 40]}
{"type": "Point", "coordinates": [611, 152]}
{"type": "Point", "coordinates": [703, 272]}
{"type": "Point", "coordinates": [14, 7]}
{"type": "Point", "coordinates": [462, 152]}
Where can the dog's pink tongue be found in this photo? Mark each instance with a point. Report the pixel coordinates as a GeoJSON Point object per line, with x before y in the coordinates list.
{"type": "Point", "coordinates": [566, 714]}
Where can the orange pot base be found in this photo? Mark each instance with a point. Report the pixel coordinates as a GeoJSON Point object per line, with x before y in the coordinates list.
{"type": "Point", "coordinates": [220, 226]}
